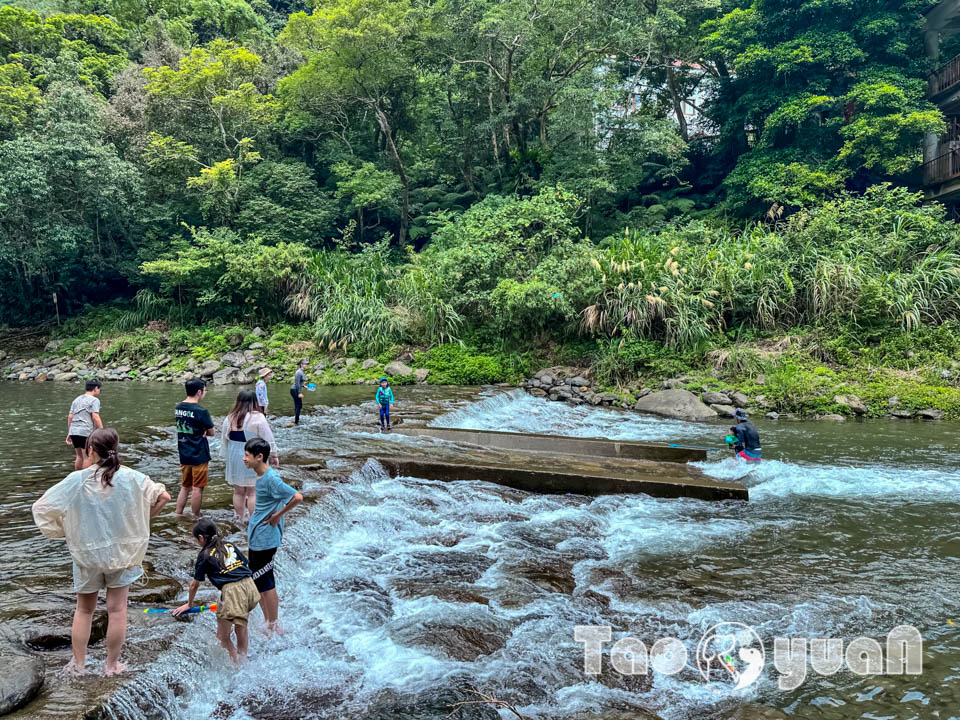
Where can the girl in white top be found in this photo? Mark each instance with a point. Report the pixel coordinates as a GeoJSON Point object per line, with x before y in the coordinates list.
{"type": "Point", "coordinates": [243, 423]}
{"type": "Point", "coordinates": [104, 512]}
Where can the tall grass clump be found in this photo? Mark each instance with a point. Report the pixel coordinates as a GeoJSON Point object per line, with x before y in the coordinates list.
{"type": "Point", "coordinates": [365, 300]}
{"type": "Point", "coordinates": [879, 260]}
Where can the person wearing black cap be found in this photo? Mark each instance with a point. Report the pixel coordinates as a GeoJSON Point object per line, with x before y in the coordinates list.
{"type": "Point", "coordinates": [747, 439]}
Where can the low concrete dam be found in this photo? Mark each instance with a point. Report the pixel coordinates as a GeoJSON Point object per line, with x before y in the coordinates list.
{"type": "Point", "coordinates": [559, 464]}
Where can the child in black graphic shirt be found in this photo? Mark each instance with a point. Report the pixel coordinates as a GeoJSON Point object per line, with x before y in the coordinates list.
{"type": "Point", "coordinates": [229, 572]}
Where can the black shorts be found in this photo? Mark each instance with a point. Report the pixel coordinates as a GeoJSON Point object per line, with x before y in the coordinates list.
{"type": "Point", "coordinates": [79, 441]}
{"type": "Point", "coordinates": [259, 559]}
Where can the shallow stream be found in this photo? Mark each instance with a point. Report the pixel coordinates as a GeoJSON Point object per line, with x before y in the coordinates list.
{"type": "Point", "coordinates": [399, 596]}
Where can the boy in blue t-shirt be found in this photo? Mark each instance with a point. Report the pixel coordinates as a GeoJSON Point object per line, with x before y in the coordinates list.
{"type": "Point", "coordinates": [385, 401]}
{"type": "Point", "coordinates": [265, 532]}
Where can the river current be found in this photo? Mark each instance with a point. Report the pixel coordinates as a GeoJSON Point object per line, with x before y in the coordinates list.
{"type": "Point", "coordinates": [399, 596]}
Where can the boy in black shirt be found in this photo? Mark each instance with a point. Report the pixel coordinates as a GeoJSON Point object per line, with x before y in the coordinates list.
{"type": "Point", "coordinates": [194, 425]}
{"type": "Point", "coordinates": [229, 572]}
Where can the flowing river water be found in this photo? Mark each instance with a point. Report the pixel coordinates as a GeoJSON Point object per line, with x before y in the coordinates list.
{"type": "Point", "coordinates": [400, 595]}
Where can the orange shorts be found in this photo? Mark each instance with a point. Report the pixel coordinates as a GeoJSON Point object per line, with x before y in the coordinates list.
{"type": "Point", "coordinates": [194, 475]}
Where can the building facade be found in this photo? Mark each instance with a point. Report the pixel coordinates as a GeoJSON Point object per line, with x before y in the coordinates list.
{"type": "Point", "coordinates": [941, 154]}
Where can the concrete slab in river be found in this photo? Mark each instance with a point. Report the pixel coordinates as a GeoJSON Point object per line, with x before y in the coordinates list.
{"type": "Point", "coordinates": [570, 475]}
{"type": "Point", "coordinates": [557, 464]}
{"type": "Point", "coordinates": [594, 447]}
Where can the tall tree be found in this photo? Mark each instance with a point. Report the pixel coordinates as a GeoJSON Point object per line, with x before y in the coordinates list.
{"type": "Point", "coordinates": [815, 95]}
{"type": "Point", "coordinates": [359, 53]}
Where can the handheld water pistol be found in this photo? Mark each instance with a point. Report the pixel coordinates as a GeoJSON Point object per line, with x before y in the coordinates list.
{"type": "Point", "coordinates": [195, 609]}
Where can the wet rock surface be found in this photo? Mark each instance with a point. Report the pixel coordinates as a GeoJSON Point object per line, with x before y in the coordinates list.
{"type": "Point", "coordinates": [680, 404]}
{"type": "Point", "coordinates": [20, 681]}
{"type": "Point", "coordinates": [154, 589]}
{"type": "Point", "coordinates": [56, 634]}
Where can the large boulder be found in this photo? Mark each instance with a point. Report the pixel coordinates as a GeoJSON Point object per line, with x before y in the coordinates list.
{"type": "Point", "coordinates": [930, 414]}
{"type": "Point", "coordinates": [420, 375]}
{"type": "Point", "coordinates": [397, 369]}
{"type": "Point", "coordinates": [234, 358]}
{"type": "Point", "coordinates": [538, 392]}
{"type": "Point", "coordinates": [368, 363]}
{"type": "Point", "coordinates": [20, 681]}
{"type": "Point", "coordinates": [723, 410]}
{"type": "Point", "coordinates": [227, 376]}
{"type": "Point", "coordinates": [676, 403]}
{"type": "Point", "coordinates": [65, 377]}
{"type": "Point", "coordinates": [855, 404]}
{"type": "Point", "coordinates": [739, 399]}
{"type": "Point", "coordinates": [714, 398]}
{"type": "Point", "coordinates": [208, 368]}
{"type": "Point", "coordinates": [578, 381]}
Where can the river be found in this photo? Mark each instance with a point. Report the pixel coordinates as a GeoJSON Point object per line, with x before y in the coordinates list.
{"type": "Point", "coordinates": [400, 594]}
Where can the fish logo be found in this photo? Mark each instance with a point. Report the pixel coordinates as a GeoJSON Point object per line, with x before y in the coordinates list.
{"type": "Point", "coordinates": [733, 650]}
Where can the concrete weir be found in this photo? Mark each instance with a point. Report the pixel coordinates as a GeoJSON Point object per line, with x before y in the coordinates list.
{"type": "Point", "coordinates": [593, 447]}
{"type": "Point", "coordinates": [574, 475]}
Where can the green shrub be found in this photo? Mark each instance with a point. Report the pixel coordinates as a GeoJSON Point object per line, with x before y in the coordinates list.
{"type": "Point", "coordinates": [456, 365]}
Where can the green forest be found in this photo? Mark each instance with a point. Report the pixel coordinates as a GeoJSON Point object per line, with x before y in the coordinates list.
{"type": "Point", "coordinates": [627, 178]}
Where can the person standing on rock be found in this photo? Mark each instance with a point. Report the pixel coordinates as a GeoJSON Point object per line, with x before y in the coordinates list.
{"type": "Point", "coordinates": [747, 439]}
{"type": "Point", "coordinates": [265, 531]}
{"type": "Point", "coordinates": [244, 422]}
{"type": "Point", "coordinates": [261, 389]}
{"type": "Point", "coordinates": [104, 512]}
{"type": "Point", "coordinates": [83, 419]}
{"type": "Point", "coordinates": [194, 425]}
{"type": "Point", "coordinates": [296, 390]}
{"type": "Point", "coordinates": [385, 401]}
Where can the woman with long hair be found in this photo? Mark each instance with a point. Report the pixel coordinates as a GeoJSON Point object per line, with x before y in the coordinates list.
{"type": "Point", "coordinates": [104, 512]}
{"type": "Point", "coordinates": [244, 422]}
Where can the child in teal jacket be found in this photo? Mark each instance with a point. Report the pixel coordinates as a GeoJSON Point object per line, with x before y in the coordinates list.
{"type": "Point", "coordinates": [385, 401]}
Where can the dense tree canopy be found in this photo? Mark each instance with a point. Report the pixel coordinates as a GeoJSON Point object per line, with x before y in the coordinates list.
{"type": "Point", "coordinates": [136, 137]}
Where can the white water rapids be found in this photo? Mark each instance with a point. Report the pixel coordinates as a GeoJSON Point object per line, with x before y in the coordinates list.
{"type": "Point", "coordinates": [397, 595]}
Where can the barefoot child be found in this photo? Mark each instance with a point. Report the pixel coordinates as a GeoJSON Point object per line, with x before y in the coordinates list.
{"type": "Point", "coordinates": [265, 531]}
{"type": "Point", "coordinates": [230, 573]}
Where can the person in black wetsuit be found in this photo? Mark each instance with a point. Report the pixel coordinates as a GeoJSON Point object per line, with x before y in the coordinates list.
{"type": "Point", "coordinates": [747, 445]}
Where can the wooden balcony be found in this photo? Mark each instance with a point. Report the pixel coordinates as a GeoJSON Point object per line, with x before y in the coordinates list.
{"type": "Point", "coordinates": [942, 168]}
{"type": "Point", "coordinates": [945, 78]}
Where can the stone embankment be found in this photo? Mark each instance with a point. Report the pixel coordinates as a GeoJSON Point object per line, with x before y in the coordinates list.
{"type": "Point", "coordinates": [574, 386]}
{"type": "Point", "coordinates": [240, 366]}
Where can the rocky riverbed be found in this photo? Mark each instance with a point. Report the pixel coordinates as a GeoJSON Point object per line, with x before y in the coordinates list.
{"type": "Point", "coordinates": [679, 398]}
{"type": "Point", "coordinates": [240, 366]}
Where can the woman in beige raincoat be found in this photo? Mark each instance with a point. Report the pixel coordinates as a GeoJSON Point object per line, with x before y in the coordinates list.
{"type": "Point", "coordinates": [104, 512]}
